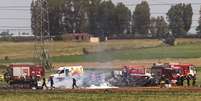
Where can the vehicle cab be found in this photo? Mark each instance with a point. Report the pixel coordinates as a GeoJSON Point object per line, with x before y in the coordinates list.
{"type": "Point", "coordinates": [66, 71]}
{"type": "Point", "coordinates": [137, 71]}
{"type": "Point", "coordinates": [184, 69]}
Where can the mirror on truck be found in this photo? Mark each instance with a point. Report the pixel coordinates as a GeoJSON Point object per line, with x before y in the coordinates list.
{"type": "Point", "coordinates": [64, 72]}
{"type": "Point", "coordinates": [67, 72]}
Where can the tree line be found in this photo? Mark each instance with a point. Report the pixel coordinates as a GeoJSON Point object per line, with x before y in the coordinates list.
{"type": "Point", "coordinates": [98, 16]}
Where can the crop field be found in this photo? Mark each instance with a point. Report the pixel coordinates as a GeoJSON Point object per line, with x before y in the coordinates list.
{"type": "Point", "coordinates": [123, 50]}
{"type": "Point", "coordinates": [180, 51]}
{"type": "Point", "coordinates": [117, 96]}
{"type": "Point", "coordinates": [26, 49]}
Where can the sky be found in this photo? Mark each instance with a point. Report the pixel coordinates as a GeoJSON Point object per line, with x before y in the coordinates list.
{"type": "Point", "coordinates": [15, 14]}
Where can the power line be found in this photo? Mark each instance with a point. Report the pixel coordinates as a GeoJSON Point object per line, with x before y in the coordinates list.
{"type": "Point", "coordinates": [15, 18]}
{"type": "Point", "coordinates": [14, 7]}
{"type": "Point", "coordinates": [15, 26]}
{"type": "Point", "coordinates": [16, 29]}
{"type": "Point", "coordinates": [161, 4]}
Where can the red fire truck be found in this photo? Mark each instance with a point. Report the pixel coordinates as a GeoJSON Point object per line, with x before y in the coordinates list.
{"type": "Point", "coordinates": [137, 71]}
{"type": "Point", "coordinates": [132, 75]}
{"type": "Point", "coordinates": [24, 75]}
{"type": "Point", "coordinates": [184, 69]}
{"type": "Point", "coordinates": [173, 71]}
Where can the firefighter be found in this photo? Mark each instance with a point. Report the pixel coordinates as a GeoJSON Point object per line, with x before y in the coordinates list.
{"type": "Point", "coordinates": [194, 80]}
{"type": "Point", "coordinates": [162, 81]}
{"type": "Point", "coordinates": [188, 78]}
{"type": "Point", "coordinates": [179, 80]}
{"type": "Point", "coordinates": [182, 80]}
{"type": "Point", "coordinates": [125, 75]}
{"type": "Point", "coordinates": [34, 81]}
{"type": "Point", "coordinates": [74, 83]}
{"type": "Point", "coordinates": [51, 82]}
{"type": "Point", "coordinates": [167, 83]}
{"type": "Point", "coordinates": [44, 83]}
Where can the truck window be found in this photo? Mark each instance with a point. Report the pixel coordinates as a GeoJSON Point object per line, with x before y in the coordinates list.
{"type": "Point", "coordinates": [178, 71]}
{"type": "Point", "coordinates": [67, 72]}
{"type": "Point", "coordinates": [60, 71]}
{"type": "Point", "coordinates": [192, 68]}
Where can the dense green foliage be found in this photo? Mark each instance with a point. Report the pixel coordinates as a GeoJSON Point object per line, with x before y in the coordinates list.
{"type": "Point", "coordinates": [76, 16]}
{"type": "Point", "coordinates": [141, 18]}
{"type": "Point", "coordinates": [39, 18]}
{"type": "Point", "coordinates": [158, 27]}
{"type": "Point", "coordinates": [180, 18]}
{"type": "Point", "coordinates": [98, 16]}
{"type": "Point", "coordinates": [198, 29]}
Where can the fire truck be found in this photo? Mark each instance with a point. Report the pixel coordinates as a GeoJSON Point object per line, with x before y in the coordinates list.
{"type": "Point", "coordinates": [132, 75]}
{"type": "Point", "coordinates": [184, 69]}
{"type": "Point", "coordinates": [24, 75]}
{"type": "Point", "coordinates": [173, 71]}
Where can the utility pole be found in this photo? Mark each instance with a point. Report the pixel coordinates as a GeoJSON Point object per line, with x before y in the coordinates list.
{"type": "Point", "coordinates": [41, 54]}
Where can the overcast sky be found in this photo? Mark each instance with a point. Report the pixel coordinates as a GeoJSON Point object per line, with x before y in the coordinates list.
{"type": "Point", "coordinates": [19, 17]}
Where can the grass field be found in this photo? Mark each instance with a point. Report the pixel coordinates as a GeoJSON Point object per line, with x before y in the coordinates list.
{"type": "Point", "coordinates": [26, 49]}
{"type": "Point", "coordinates": [114, 50]}
{"type": "Point", "coordinates": [62, 96]}
{"type": "Point", "coordinates": [179, 51]}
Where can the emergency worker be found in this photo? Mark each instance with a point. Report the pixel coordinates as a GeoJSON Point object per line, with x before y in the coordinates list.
{"type": "Point", "coordinates": [44, 83]}
{"type": "Point", "coordinates": [51, 82]}
{"type": "Point", "coordinates": [74, 83]}
{"type": "Point", "coordinates": [194, 80]}
{"type": "Point", "coordinates": [182, 80]}
{"type": "Point", "coordinates": [162, 81]}
{"type": "Point", "coordinates": [188, 78]}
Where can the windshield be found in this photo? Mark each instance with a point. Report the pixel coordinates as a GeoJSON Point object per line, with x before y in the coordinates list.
{"type": "Point", "coordinates": [178, 71]}
{"type": "Point", "coordinates": [60, 71]}
{"type": "Point", "coordinates": [192, 68]}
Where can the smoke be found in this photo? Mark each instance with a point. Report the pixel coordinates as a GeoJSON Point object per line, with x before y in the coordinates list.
{"type": "Point", "coordinates": [89, 78]}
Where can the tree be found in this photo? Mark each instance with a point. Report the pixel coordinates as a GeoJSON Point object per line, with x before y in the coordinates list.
{"type": "Point", "coordinates": [162, 27]}
{"type": "Point", "coordinates": [55, 21]}
{"type": "Point", "coordinates": [158, 27]}
{"type": "Point", "coordinates": [122, 18]}
{"type": "Point", "coordinates": [34, 17]}
{"type": "Point", "coordinates": [153, 26]}
{"type": "Point", "coordinates": [106, 17]}
{"type": "Point", "coordinates": [92, 8]}
{"type": "Point", "coordinates": [39, 18]}
{"type": "Point", "coordinates": [141, 18]}
{"type": "Point", "coordinates": [198, 29]}
{"type": "Point", "coordinates": [180, 18]}
{"type": "Point", "coordinates": [73, 16]}
{"type": "Point", "coordinates": [55, 10]}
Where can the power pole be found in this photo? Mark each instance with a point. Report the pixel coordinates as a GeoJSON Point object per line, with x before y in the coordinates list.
{"type": "Point", "coordinates": [41, 55]}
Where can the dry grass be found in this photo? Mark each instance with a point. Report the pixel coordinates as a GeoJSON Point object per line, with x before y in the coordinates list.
{"type": "Point", "coordinates": [120, 63]}
{"type": "Point", "coordinates": [62, 96]}
{"type": "Point", "coordinates": [26, 49]}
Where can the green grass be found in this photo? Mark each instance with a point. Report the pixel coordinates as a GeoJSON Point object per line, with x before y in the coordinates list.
{"type": "Point", "coordinates": [162, 52]}
{"type": "Point", "coordinates": [62, 96]}
{"type": "Point", "coordinates": [179, 51]}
